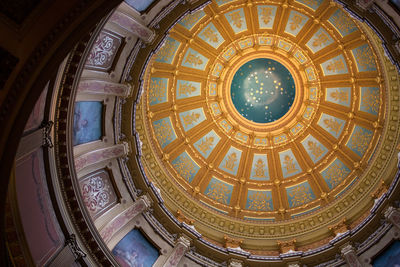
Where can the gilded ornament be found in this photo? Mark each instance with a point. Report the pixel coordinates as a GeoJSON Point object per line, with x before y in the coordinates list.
{"type": "Point", "coordinates": [315, 149]}
{"type": "Point", "coordinates": [219, 192]}
{"type": "Point", "coordinates": [370, 100]}
{"type": "Point", "coordinates": [289, 165]}
{"type": "Point", "coordinates": [266, 13]}
{"type": "Point", "coordinates": [190, 118]}
{"type": "Point", "coordinates": [340, 95]}
{"type": "Point", "coordinates": [336, 173]}
{"type": "Point", "coordinates": [343, 23]}
{"type": "Point", "coordinates": [186, 89]}
{"type": "Point", "coordinates": [333, 125]}
{"type": "Point", "coordinates": [236, 19]}
{"type": "Point", "coordinates": [230, 162]}
{"type": "Point", "coordinates": [167, 50]}
{"type": "Point", "coordinates": [259, 201]}
{"type": "Point", "coordinates": [365, 58]}
{"type": "Point", "coordinates": [321, 39]}
{"type": "Point", "coordinates": [210, 35]}
{"type": "Point", "coordinates": [336, 65]}
{"type": "Point", "coordinates": [157, 90]}
{"type": "Point", "coordinates": [300, 195]}
{"type": "Point", "coordinates": [295, 22]}
{"type": "Point", "coordinates": [259, 169]}
{"type": "Point", "coordinates": [193, 60]}
{"type": "Point", "coordinates": [191, 19]}
{"type": "Point", "coordinates": [163, 132]}
{"type": "Point", "coordinates": [206, 144]}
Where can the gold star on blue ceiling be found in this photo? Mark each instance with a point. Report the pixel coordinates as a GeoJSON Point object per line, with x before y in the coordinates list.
{"type": "Point", "coordinates": [263, 90]}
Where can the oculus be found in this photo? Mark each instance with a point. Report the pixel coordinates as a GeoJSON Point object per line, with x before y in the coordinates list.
{"type": "Point", "coordinates": [263, 90]}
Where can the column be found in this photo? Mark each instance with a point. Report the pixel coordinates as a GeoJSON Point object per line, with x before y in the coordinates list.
{"type": "Point", "coordinates": [182, 245]}
{"type": "Point", "coordinates": [393, 216]}
{"type": "Point", "coordinates": [235, 263]}
{"type": "Point", "coordinates": [350, 256]}
{"type": "Point", "coordinates": [142, 204]}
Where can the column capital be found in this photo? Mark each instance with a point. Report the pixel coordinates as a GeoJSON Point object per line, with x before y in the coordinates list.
{"type": "Point", "coordinates": [147, 200]}
{"type": "Point", "coordinates": [350, 256]}
{"type": "Point", "coordinates": [346, 249]}
{"type": "Point", "coordinates": [235, 263]}
{"type": "Point", "coordinates": [392, 215]}
{"type": "Point", "coordinates": [184, 240]}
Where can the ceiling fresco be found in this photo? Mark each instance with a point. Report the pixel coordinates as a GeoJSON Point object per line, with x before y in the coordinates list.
{"type": "Point", "coordinates": [261, 113]}
{"type": "Point", "coordinates": [262, 90]}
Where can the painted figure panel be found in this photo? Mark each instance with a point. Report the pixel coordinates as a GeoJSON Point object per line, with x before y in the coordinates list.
{"type": "Point", "coordinates": [134, 250]}
{"type": "Point", "coordinates": [389, 257]}
{"type": "Point", "coordinates": [88, 122]}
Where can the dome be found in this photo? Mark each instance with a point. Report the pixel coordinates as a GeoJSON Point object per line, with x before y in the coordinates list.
{"type": "Point", "coordinates": [202, 133]}
{"type": "Point", "coordinates": [259, 120]}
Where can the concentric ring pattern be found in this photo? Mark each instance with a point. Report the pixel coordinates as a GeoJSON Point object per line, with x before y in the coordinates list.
{"type": "Point", "coordinates": [280, 169]}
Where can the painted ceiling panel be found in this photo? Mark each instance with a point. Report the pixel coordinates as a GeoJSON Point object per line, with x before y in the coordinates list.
{"type": "Point", "coordinates": [211, 35]}
{"type": "Point", "coordinates": [313, 4]}
{"type": "Point", "coordinates": [295, 22]}
{"type": "Point", "coordinates": [230, 162]}
{"type": "Point", "coordinates": [299, 194]}
{"type": "Point", "coordinates": [186, 89]}
{"type": "Point", "coordinates": [237, 20]}
{"type": "Point", "coordinates": [191, 118]}
{"type": "Point", "coordinates": [186, 167]}
{"type": "Point", "coordinates": [194, 59]}
{"type": "Point", "coordinates": [191, 20]}
{"type": "Point", "coordinates": [319, 40]}
{"type": "Point", "coordinates": [266, 16]}
{"type": "Point", "coordinates": [335, 173]}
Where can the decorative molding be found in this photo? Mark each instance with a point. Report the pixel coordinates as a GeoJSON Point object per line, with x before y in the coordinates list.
{"type": "Point", "coordinates": [382, 188]}
{"type": "Point", "coordinates": [104, 52]}
{"type": "Point", "coordinates": [287, 246]}
{"type": "Point", "coordinates": [339, 228]}
{"type": "Point", "coordinates": [99, 155]}
{"type": "Point", "coordinates": [183, 219]}
{"type": "Point", "coordinates": [104, 88]}
{"type": "Point", "coordinates": [364, 4]}
{"type": "Point", "coordinates": [230, 242]}
{"type": "Point", "coordinates": [73, 245]}
{"type": "Point", "coordinates": [47, 139]}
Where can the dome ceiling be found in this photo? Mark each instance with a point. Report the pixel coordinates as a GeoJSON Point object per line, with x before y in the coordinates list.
{"type": "Point", "coordinates": [260, 114]}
